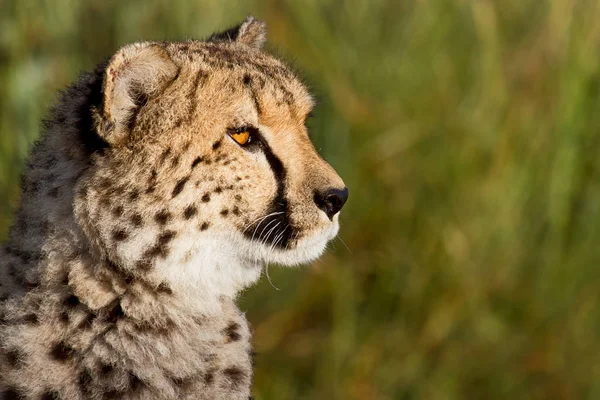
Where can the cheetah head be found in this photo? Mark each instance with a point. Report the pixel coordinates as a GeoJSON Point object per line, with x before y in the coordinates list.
{"type": "Point", "coordinates": [206, 170]}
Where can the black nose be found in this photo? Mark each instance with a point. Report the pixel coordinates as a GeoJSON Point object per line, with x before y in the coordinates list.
{"type": "Point", "coordinates": [331, 200]}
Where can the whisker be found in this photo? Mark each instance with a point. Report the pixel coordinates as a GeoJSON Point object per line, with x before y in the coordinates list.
{"type": "Point", "coordinates": [279, 237]}
{"type": "Point", "coordinates": [258, 226]}
{"type": "Point", "coordinates": [344, 243]}
{"type": "Point", "coordinates": [269, 278]}
{"type": "Point", "coordinates": [271, 248]}
{"type": "Point", "coordinates": [270, 231]}
{"type": "Point", "coordinates": [264, 239]}
{"type": "Point", "coordinates": [259, 220]}
{"type": "Point", "coordinates": [276, 241]}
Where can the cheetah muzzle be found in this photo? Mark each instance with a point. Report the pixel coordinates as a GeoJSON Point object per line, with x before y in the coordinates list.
{"type": "Point", "coordinates": [162, 184]}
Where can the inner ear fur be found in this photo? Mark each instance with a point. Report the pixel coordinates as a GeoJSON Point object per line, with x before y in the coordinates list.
{"type": "Point", "coordinates": [135, 74]}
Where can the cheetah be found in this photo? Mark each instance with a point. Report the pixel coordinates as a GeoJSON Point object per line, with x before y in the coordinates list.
{"type": "Point", "coordinates": [163, 183]}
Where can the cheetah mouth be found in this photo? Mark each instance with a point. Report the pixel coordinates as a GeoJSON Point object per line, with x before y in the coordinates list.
{"type": "Point", "coordinates": [299, 250]}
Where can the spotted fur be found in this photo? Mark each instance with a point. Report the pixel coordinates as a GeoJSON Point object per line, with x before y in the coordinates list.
{"type": "Point", "coordinates": [141, 220]}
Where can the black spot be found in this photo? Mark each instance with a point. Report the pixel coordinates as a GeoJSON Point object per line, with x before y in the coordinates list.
{"type": "Point", "coordinates": [119, 190]}
{"type": "Point", "coordinates": [197, 161]}
{"type": "Point", "coordinates": [106, 369]}
{"type": "Point", "coordinates": [235, 375]}
{"type": "Point", "coordinates": [218, 189]}
{"type": "Point", "coordinates": [209, 377]}
{"type": "Point", "coordinates": [165, 237]}
{"type": "Point", "coordinates": [134, 195]}
{"type": "Point", "coordinates": [135, 383]}
{"type": "Point", "coordinates": [112, 394]}
{"type": "Point", "coordinates": [29, 285]}
{"type": "Point", "coordinates": [216, 144]}
{"type": "Point", "coordinates": [190, 211]}
{"type": "Point", "coordinates": [164, 155]}
{"type": "Point", "coordinates": [162, 217]}
{"type": "Point", "coordinates": [84, 381]}
{"type": "Point", "coordinates": [224, 212]}
{"type": "Point", "coordinates": [164, 288]}
{"type": "Point", "coordinates": [248, 84]}
{"type": "Point", "coordinates": [238, 197]}
{"type": "Point", "coordinates": [204, 226]}
{"type": "Point", "coordinates": [15, 358]}
{"type": "Point", "coordinates": [47, 228]}
{"type": "Point", "coordinates": [11, 394]}
{"type": "Point", "coordinates": [183, 383]}
{"type": "Point", "coordinates": [199, 81]}
{"type": "Point", "coordinates": [128, 278]}
{"type": "Point", "coordinates": [136, 220]}
{"type": "Point", "coordinates": [104, 183]}
{"type": "Point", "coordinates": [156, 251]}
{"type": "Point", "coordinates": [71, 301]}
{"type": "Point", "coordinates": [206, 198]}
{"type": "Point", "coordinates": [144, 265]}
{"type": "Point", "coordinates": [152, 182]}
{"type": "Point", "coordinates": [118, 211]}
{"type": "Point", "coordinates": [175, 161]}
{"type": "Point", "coordinates": [111, 266]}
{"type": "Point", "coordinates": [31, 319]}
{"type": "Point", "coordinates": [179, 186]}
{"type": "Point", "coordinates": [87, 322]}
{"type": "Point", "coordinates": [160, 248]}
{"type": "Point", "coordinates": [115, 312]}
{"type": "Point", "coordinates": [64, 317]}
{"type": "Point", "coordinates": [50, 395]}
{"type": "Point", "coordinates": [61, 351]}
{"type": "Point", "coordinates": [119, 235]}
{"type": "Point", "coordinates": [236, 210]}
{"type": "Point", "coordinates": [54, 192]}
{"type": "Point", "coordinates": [231, 332]}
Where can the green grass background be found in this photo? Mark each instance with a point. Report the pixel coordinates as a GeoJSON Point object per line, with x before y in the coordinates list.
{"type": "Point", "coordinates": [468, 134]}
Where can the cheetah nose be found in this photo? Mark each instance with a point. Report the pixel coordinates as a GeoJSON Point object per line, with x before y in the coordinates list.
{"type": "Point", "coordinates": [331, 200]}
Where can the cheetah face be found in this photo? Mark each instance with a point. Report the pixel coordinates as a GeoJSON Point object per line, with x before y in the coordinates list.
{"type": "Point", "coordinates": [207, 157]}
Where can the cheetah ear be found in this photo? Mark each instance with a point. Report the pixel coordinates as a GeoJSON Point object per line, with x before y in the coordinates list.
{"type": "Point", "coordinates": [251, 32]}
{"type": "Point", "coordinates": [135, 74]}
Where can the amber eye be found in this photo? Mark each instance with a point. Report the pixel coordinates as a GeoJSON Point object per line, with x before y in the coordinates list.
{"type": "Point", "coordinates": [242, 136]}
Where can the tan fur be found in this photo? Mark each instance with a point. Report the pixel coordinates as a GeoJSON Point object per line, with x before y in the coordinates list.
{"type": "Point", "coordinates": [121, 272]}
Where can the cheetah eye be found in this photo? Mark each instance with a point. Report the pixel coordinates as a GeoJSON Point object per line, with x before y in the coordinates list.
{"type": "Point", "coordinates": [242, 136]}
